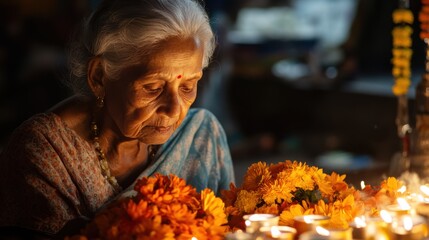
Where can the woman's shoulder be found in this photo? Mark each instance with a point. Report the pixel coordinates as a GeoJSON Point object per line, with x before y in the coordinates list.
{"type": "Point", "coordinates": [51, 126]}
{"type": "Point", "coordinates": [40, 122]}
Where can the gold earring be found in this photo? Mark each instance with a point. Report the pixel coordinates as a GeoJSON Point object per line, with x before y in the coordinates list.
{"type": "Point", "coordinates": [100, 102]}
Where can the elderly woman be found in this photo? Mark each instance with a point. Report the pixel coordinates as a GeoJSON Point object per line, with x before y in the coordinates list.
{"type": "Point", "coordinates": [135, 73]}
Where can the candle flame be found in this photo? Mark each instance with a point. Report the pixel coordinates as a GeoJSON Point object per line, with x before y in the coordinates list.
{"type": "Point", "coordinates": [248, 223]}
{"type": "Point", "coordinates": [424, 189]}
{"type": "Point", "coordinates": [308, 219]}
{"type": "Point", "coordinates": [386, 216]}
{"type": "Point", "coordinates": [362, 184]}
{"type": "Point", "coordinates": [403, 204]}
{"type": "Point", "coordinates": [402, 189]}
{"type": "Point", "coordinates": [407, 221]}
{"type": "Point", "coordinates": [275, 232]}
{"type": "Point", "coordinates": [322, 231]}
{"type": "Point", "coordinates": [194, 238]}
{"type": "Point", "coordinates": [360, 222]}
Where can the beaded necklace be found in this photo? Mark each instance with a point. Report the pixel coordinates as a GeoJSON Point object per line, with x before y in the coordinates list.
{"type": "Point", "coordinates": [105, 169]}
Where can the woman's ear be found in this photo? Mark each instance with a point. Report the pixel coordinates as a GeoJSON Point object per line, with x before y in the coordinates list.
{"type": "Point", "coordinates": [96, 77]}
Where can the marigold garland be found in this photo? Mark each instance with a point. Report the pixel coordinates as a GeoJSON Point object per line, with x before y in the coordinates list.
{"type": "Point", "coordinates": [292, 188]}
{"type": "Point", "coordinates": [165, 207]}
{"type": "Point", "coordinates": [424, 20]}
{"type": "Point", "coordinates": [401, 53]}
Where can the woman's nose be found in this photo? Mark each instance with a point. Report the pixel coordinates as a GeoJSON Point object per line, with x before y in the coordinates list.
{"type": "Point", "coordinates": [170, 104]}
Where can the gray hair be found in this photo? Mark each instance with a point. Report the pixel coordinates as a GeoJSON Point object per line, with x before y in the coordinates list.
{"type": "Point", "coordinates": [123, 32]}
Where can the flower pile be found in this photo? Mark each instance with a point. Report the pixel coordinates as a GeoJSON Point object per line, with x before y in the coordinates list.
{"type": "Point", "coordinates": [290, 188]}
{"type": "Point", "coordinates": [401, 53]}
{"type": "Point", "coordinates": [165, 207]}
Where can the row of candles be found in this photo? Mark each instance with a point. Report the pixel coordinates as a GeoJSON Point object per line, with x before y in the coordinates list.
{"type": "Point", "coordinates": [405, 220]}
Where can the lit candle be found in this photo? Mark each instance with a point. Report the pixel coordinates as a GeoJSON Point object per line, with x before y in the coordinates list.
{"type": "Point", "coordinates": [409, 227]}
{"type": "Point", "coordinates": [279, 232]}
{"type": "Point", "coordinates": [321, 233]}
{"type": "Point", "coordinates": [306, 223]}
{"type": "Point", "coordinates": [401, 208]}
{"type": "Point", "coordinates": [358, 226]}
{"type": "Point", "coordinates": [378, 227]}
{"type": "Point", "coordinates": [239, 235]}
{"type": "Point", "coordinates": [422, 207]}
{"type": "Point", "coordinates": [255, 221]}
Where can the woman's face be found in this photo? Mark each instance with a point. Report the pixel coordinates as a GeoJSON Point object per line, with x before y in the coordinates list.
{"type": "Point", "coordinates": [150, 101]}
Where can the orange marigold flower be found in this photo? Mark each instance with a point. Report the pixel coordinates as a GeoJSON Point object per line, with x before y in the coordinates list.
{"type": "Point", "coordinates": [247, 201]}
{"type": "Point", "coordinates": [164, 208]}
{"type": "Point", "coordinates": [257, 174]}
{"type": "Point", "coordinates": [230, 196]}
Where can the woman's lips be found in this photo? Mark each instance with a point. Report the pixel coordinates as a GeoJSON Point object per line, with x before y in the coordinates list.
{"type": "Point", "coordinates": [163, 129]}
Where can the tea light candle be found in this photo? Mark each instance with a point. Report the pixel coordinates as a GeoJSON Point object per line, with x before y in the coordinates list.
{"type": "Point", "coordinates": [377, 228]}
{"type": "Point", "coordinates": [423, 209]}
{"type": "Point", "coordinates": [409, 227]}
{"type": "Point", "coordinates": [306, 223]}
{"type": "Point", "coordinates": [358, 226]}
{"type": "Point", "coordinates": [399, 209]}
{"type": "Point", "coordinates": [321, 233]}
{"type": "Point", "coordinates": [279, 232]}
{"type": "Point", "coordinates": [312, 235]}
{"type": "Point", "coordinates": [395, 210]}
{"type": "Point", "coordinates": [238, 235]}
{"type": "Point", "coordinates": [340, 234]}
{"type": "Point", "coordinates": [255, 221]}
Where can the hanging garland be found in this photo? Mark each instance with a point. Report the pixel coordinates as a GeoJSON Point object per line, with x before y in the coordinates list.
{"type": "Point", "coordinates": [403, 19]}
{"type": "Point", "coordinates": [424, 20]}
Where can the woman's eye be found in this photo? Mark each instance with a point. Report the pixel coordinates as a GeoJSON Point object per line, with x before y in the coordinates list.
{"type": "Point", "coordinates": [152, 89]}
{"type": "Point", "coordinates": [187, 89]}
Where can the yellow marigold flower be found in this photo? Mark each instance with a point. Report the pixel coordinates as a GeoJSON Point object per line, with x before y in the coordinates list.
{"type": "Point", "coordinates": [402, 53]}
{"type": "Point", "coordinates": [391, 185]}
{"type": "Point", "coordinates": [287, 216]}
{"type": "Point", "coordinates": [397, 91]}
{"type": "Point", "coordinates": [338, 219]}
{"type": "Point", "coordinates": [256, 175]}
{"type": "Point", "coordinates": [247, 201]}
{"type": "Point", "coordinates": [323, 182]}
{"type": "Point", "coordinates": [321, 208]}
{"type": "Point", "coordinates": [346, 207]}
{"type": "Point", "coordinates": [401, 72]}
{"type": "Point", "coordinates": [268, 209]}
{"type": "Point", "coordinates": [402, 31]}
{"type": "Point", "coordinates": [279, 191]}
{"type": "Point", "coordinates": [213, 207]}
{"type": "Point", "coordinates": [401, 62]}
{"type": "Point", "coordinates": [301, 178]}
{"type": "Point", "coordinates": [403, 16]}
